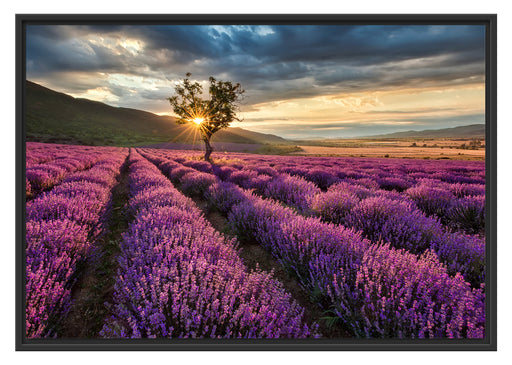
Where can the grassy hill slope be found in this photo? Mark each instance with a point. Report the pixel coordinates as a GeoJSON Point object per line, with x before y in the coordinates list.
{"type": "Point", "coordinates": [56, 117]}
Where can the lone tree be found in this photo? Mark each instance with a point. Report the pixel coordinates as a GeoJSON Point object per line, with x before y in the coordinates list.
{"type": "Point", "coordinates": [210, 115]}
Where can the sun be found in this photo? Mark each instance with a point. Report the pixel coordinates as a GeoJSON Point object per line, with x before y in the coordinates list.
{"type": "Point", "coordinates": [198, 120]}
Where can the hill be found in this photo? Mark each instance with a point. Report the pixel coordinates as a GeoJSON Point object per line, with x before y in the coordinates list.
{"type": "Point", "coordinates": [467, 131]}
{"type": "Point", "coordinates": [51, 116]}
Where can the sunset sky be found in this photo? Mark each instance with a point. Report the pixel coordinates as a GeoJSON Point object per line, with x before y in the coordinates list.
{"type": "Point", "coordinates": [300, 81]}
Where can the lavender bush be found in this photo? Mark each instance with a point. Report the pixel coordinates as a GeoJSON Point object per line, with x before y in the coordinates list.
{"type": "Point", "coordinates": [468, 214]}
{"type": "Point", "coordinates": [60, 226]}
{"type": "Point", "coordinates": [400, 295]}
{"type": "Point", "coordinates": [223, 195]}
{"type": "Point", "coordinates": [197, 183]}
{"type": "Point", "coordinates": [432, 200]}
{"type": "Point", "coordinates": [180, 278]}
{"type": "Point", "coordinates": [330, 262]}
{"type": "Point", "coordinates": [427, 286]}
{"type": "Point", "coordinates": [292, 191]}
{"type": "Point", "coordinates": [333, 206]}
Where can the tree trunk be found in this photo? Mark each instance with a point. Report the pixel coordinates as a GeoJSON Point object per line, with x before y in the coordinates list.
{"type": "Point", "coordinates": [209, 149]}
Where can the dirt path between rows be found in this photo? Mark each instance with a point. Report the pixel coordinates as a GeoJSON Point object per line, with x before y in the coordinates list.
{"type": "Point", "coordinates": [97, 278]}
{"type": "Point", "coordinates": [255, 256]}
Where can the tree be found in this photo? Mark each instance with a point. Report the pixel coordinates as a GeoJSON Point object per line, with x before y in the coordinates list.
{"type": "Point", "coordinates": [210, 115]}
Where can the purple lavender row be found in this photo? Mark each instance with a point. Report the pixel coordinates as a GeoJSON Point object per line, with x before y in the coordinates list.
{"type": "Point", "coordinates": [387, 217]}
{"type": "Point", "coordinates": [377, 290]}
{"type": "Point", "coordinates": [38, 152]}
{"type": "Point", "coordinates": [293, 191]}
{"type": "Point", "coordinates": [59, 229]}
{"type": "Point", "coordinates": [311, 168]}
{"type": "Point", "coordinates": [390, 174]}
{"type": "Point", "coordinates": [432, 196]}
{"type": "Point", "coordinates": [378, 217]}
{"type": "Point", "coordinates": [179, 278]}
{"type": "Point", "coordinates": [43, 176]}
{"type": "Point", "coordinates": [394, 174]}
{"type": "Point", "coordinates": [460, 206]}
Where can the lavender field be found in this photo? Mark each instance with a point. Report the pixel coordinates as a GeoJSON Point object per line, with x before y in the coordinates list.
{"type": "Point", "coordinates": [253, 246]}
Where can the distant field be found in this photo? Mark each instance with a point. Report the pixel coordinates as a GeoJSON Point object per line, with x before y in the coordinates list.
{"type": "Point", "coordinates": [225, 147]}
{"type": "Point", "coordinates": [404, 148]}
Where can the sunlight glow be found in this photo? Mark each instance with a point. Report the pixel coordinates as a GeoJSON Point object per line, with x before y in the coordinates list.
{"type": "Point", "coordinates": [415, 107]}
{"type": "Point", "coordinates": [198, 120]}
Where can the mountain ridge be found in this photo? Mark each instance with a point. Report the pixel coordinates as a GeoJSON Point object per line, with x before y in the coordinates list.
{"type": "Point", "coordinates": [465, 131]}
{"type": "Point", "coordinates": [52, 116]}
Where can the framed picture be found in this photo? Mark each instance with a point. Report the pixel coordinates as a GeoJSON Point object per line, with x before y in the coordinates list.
{"type": "Point", "coordinates": [256, 182]}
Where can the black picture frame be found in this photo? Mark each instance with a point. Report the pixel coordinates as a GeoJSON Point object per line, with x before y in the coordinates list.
{"type": "Point", "coordinates": [489, 343]}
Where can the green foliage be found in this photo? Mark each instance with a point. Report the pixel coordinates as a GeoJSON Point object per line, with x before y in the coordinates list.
{"type": "Point", "coordinates": [215, 113]}
{"type": "Point", "coordinates": [277, 149]}
{"type": "Point", "coordinates": [218, 111]}
{"type": "Point", "coordinates": [331, 319]}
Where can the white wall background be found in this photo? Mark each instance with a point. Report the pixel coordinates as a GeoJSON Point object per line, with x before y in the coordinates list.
{"type": "Point", "coordinates": [7, 170]}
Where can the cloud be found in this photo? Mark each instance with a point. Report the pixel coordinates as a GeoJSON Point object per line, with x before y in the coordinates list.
{"type": "Point", "coordinates": [272, 62]}
{"type": "Point", "coordinates": [331, 54]}
{"type": "Point", "coordinates": [362, 128]}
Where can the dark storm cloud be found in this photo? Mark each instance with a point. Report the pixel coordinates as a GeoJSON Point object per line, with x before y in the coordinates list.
{"type": "Point", "coordinates": [189, 42]}
{"type": "Point", "coordinates": [350, 59]}
{"type": "Point", "coordinates": [288, 52]}
{"type": "Point", "coordinates": [271, 62]}
{"type": "Point", "coordinates": [57, 50]}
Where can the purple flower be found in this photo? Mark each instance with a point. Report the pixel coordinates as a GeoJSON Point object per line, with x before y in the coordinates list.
{"type": "Point", "coordinates": [60, 224]}
{"type": "Point", "coordinates": [180, 278]}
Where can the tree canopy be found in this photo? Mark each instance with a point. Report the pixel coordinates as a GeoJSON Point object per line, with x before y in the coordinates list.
{"type": "Point", "coordinates": [210, 115]}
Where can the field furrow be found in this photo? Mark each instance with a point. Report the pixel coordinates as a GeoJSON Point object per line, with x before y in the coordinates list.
{"type": "Point", "coordinates": [380, 215]}
{"type": "Point", "coordinates": [197, 186]}
{"type": "Point", "coordinates": [180, 278]}
{"type": "Point", "coordinates": [351, 247]}
{"type": "Point", "coordinates": [374, 288]}
{"type": "Point", "coordinates": [61, 226]}
{"type": "Point", "coordinates": [45, 175]}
